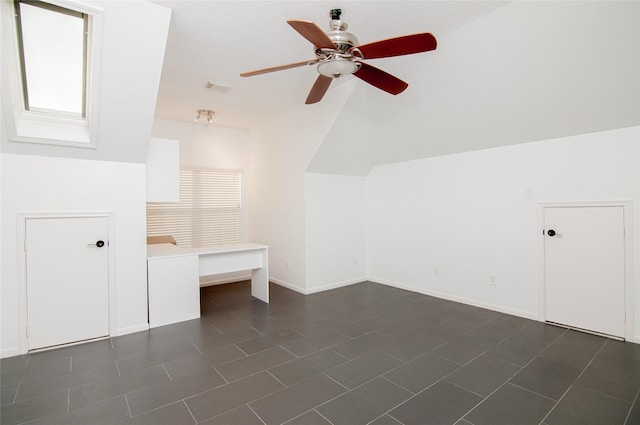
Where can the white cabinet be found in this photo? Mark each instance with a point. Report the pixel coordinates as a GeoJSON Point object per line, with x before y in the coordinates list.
{"type": "Point", "coordinates": [174, 289]}
{"type": "Point", "coordinates": [163, 171]}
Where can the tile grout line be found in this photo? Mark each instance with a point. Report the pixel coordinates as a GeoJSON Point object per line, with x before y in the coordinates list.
{"type": "Point", "coordinates": [635, 400]}
{"type": "Point", "coordinates": [255, 413]}
{"type": "Point", "coordinates": [573, 383]}
{"type": "Point", "coordinates": [195, 421]}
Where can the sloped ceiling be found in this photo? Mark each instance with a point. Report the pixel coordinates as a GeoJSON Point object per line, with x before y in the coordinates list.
{"type": "Point", "coordinates": [503, 73]}
{"type": "Point", "coordinates": [527, 71]}
{"type": "Point", "coordinates": [217, 40]}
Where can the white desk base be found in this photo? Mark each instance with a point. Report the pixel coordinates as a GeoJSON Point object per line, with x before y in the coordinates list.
{"type": "Point", "coordinates": [173, 276]}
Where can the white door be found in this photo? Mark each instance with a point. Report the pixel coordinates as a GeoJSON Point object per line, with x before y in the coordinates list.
{"type": "Point", "coordinates": [67, 280]}
{"type": "Point", "coordinates": [584, 268]}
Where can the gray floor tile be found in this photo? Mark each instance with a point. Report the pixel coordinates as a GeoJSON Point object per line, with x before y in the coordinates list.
{"type": "Point", "coordinates": [315, 341]}
{"type": "Point", "coordinates": [443, 403]}
{"type": "Point", "coordinates": [305, 367]}
{"type": "Point", "coordinates": [362, 344]}
{"type": "Point", "coordinates": [173, 414]}
{"type": "Point", "coordinates": [103, 412]}
{"type": "Point", "coordinates": [463, 348]}
{"type": "Point", "coordinates": [610, 381]}
{"type": "Point", "coordinates": [309, 418]}
{"type": "Point", "coordinates": [517, 350]}
{"type": "Point", "coordinates": [364, 404]}
{"type": "Point", "coordinates": [117, 385]}
{"type": "Point", "coordinates": [55, 367]}
{"type": "Point", "coordinates": [422, 372]}
{"type": "Point", "coordinates": [295, 400]}
{"type": "Point", "coordinates": [362, 369]}
{"type": "Point", "coordinates": [241, 368]}
{"type": "Point", "coordinates": [511, 405]}
{"type": "Point", "coordinates": [8, 393]}
{"type": "Point", "coordinates": [587, 407]}
{"type": "Point", "coordinates": [156, 357]}
{"type": "Point", "coordinates": [463, 351]}
{"type": "Point", "coordinates": [222, 340]}
{"type": "Point", "coordinates": [231, 396]}
{"type": "Point", "coordinates": [200, 362]}
{"type": "Point", "coordinates": [574, 348]}
{"type": "Point", "coordinates": [240, 416]}
{"type": "Point", "coordinates": [385, 420]}
{"type": "Point", "coordinates": [546, 377]}
{"type": "Point", "coordinates": [268, 341]}
{"type": "Point", "coordinates": [34, 408]}
{"type": "Point", "coordinates": [634, 414]}
{"type": "Point", "coordinates": [146, 399]}
{"type": "Point", "coordinates": [410, 348]}
{"type": "Point", "coordinates": [38, 387]}
{"type": "Point", "coordinates": [541, 332]}
{"type": "Point", "coordinates": [483, 375]}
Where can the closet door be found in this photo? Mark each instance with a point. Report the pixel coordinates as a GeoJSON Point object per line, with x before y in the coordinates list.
{"type": "Point", "coordinates": [584, 255]}
{"type": "Point", "coordinates": [67, 280]}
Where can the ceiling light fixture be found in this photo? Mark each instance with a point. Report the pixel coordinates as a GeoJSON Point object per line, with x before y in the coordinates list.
{"type": "Point", "coordinates": [206, 112]}
{"type": "Point", "coordinates": [217, 84]}
{"type": "Point", "coordinates": [337, 67]}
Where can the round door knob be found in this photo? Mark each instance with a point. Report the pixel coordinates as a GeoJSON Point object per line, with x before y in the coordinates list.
{"type": "Point", "coordinates": [100, 244]}
{"type": "Point", "coordinates": [551, 232]}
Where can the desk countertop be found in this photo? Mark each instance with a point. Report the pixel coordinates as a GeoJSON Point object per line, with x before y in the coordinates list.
{"type": "Point", "coordinates": [164, 250]}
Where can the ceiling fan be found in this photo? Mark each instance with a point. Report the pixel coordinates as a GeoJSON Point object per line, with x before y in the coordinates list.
{"type": "Point", "coordinates": [338, 53]}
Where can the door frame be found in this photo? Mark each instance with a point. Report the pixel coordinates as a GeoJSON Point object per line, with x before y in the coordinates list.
{"type": "Point", "coordinates": [629, 298]}
{"type": "Point", "coordinates": [21, 233]}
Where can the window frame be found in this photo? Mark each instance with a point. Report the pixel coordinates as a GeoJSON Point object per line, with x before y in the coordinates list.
{"type": "Point", "coordinates": [47, 128]}
{"type": "Point", "coordinates": [21, 53]}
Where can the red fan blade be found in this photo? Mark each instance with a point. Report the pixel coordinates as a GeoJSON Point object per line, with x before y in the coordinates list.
{"type": "Point", "coordinates": [398, 46]}
{"type": "Point", "coordinates": [318, 90]}
{"type": "Point", "coordinates": [312, 32]}
{"type": "Point", "coordinates": [278, 68]}
{"type": "Point", "coordinates": [380, 79]}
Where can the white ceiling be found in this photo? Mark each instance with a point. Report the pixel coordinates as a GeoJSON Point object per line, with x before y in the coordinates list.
{"type": "Point", "coordinates": [216, 40]}
{"type": "Point", "coordinates": [503, 73]}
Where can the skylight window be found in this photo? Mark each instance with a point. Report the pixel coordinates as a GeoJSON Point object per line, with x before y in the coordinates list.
{"type": "Point", "coordinates": [53, 52]}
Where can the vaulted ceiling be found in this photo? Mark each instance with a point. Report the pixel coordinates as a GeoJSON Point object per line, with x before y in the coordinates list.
{"type": "Point", "coordinates": [503, 73]}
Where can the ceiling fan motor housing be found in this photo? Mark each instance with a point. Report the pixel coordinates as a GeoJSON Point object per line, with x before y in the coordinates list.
{"type": "Point", "coordinates": [342, 39]}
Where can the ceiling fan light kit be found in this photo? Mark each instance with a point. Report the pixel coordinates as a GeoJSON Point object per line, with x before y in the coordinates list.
{"type": "Point", "coordinates": [208, 113]}
{"type": "Point", "coordinates": [338, 53]}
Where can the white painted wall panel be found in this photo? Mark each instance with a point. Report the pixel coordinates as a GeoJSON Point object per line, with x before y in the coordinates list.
{"type": "Point", "coordinates": [43, 184]}
{"type": "Point", "coordinates": [443, 225]}
{"type": "Point", "coordinates": [336, 230]}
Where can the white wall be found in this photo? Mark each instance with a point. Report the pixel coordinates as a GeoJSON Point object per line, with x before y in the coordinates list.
{"type": "Point", "coordinates": [336, 230]}
{"type": "Point", "coordinates": [134, 36]}
{"type": "Point", "coordinates": [44, 184]}
{"type": "Point", "coordinates": [206, 146]}
{"type": "Point", "coordinates": [41, 178]}
{"type": "Point", "coordinates": [465, 216]}
{"type": "Point", "coordinates": [279, 154]}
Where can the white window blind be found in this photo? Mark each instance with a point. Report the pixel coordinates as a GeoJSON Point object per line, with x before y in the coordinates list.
{"type": "Point", "coordinates": [209, 211]}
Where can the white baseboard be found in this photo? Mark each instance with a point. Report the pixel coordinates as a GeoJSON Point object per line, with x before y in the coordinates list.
{"type": "Point", "coordinates": [463, 300]}
{"type": "Point", "coordinates": [9, 352]}
{"type": "Point", "coordinates": [335, 285]}
{"type": "Point", "coordinates": [133, 329]}
{"type": "Point", "coordinates": [288, 285]}
{"type": "Point", "coordinates": [316, 289]}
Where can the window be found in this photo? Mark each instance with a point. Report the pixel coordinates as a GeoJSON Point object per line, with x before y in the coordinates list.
{"type": "Point", "coordinates": [209, 211]}
{"type": "Point", "coordinates": [50, 68]}
{"type": "Point", "coordinates": [52, 43]}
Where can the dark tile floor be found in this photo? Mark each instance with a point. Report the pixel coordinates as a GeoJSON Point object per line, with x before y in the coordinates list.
{"type": "Point", "coordinates": [363, 354]}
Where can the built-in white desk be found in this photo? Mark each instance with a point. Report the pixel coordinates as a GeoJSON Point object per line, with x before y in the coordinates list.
{"type": "Point", "coordinates": [173, 276]}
